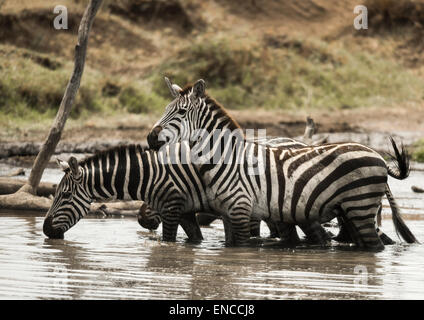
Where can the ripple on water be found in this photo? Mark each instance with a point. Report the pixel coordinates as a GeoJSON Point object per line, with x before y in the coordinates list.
{"type": "Point", "coordinates": [115, 258]}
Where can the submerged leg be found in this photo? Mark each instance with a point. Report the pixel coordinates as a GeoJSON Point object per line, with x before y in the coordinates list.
{"type": "Point", "coordinates": [315, 233]}
{"type": "Point", "coordinates": [255, 227]}
{"type": "Point", "coordinates": [288, 234]}
{"type": "Point", "coordinates": [273, 230]}
{"type": "Point", "coordinates": [170, 221]}
{"type": "Point", "coordinates": [191, 227]}
{"type": "Point", "coordinates": [344, 235]}
{"type": "Point", "coordinates": [239, 215]}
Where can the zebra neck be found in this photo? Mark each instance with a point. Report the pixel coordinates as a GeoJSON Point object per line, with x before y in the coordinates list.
{"type": "Point", "coordinates": [115, 174]}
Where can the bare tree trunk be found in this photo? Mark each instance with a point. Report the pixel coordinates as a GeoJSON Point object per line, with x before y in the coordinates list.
{"type": "Point", "coordinates": [25, 198]}
{"type": "Point", "coordinates": [55, 133]}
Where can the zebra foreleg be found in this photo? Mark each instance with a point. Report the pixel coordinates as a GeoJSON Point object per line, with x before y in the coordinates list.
{"type": "Point", "coordinates": [229, 232]}
{"type": "Point", "coordinates": [315, 233]}
{"type": "Point", "coordinates": [344, 235]}
{"type": "Point", "coordinates": [273, 230]}
{"type": "Point", "coordinates": [255, 227]}
{"type": "Point", "coordinates": [170, 221]}
{"type": "Point", "coordinates": [240, 224]}
{"type": "Point", "coordinates": [190, 225]}
{"type": "Point", "coordinates": [288, 234]}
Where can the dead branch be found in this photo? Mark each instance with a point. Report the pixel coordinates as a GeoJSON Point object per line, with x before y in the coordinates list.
{"type": "Point", "coordinates": [25, 198]}
{"type": "Point", "coordinates": [55, 133]}
{"type": "Point", "coordinates": [10, 185]}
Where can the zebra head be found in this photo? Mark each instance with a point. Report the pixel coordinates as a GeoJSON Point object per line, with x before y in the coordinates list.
{"type": "Point", "coordinates": [71, 202]}
{"type": "Point", "coordinates": [178, 123]}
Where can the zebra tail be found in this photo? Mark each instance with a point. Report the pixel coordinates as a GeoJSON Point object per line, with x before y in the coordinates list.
{"type": "Point", "coordinates": [401, 161]}
{"type": "Point", "coordinates": [400, 226]}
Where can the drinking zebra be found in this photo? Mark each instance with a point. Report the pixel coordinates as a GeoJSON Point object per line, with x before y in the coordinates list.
{"type": "Point", "coordinates": [311, 184]}
{"type": "Point", "coordinates": [129, 173]}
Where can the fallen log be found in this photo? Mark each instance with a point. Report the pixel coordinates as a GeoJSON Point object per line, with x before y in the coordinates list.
{"type": "Point", "coordinates": [10, 185]}
{"type": "Point", "coordinates": [417, 189]}
{"type": "Point", "coordinates": [13, 149]}
{"type": "Point", "coordinates": [27, 202]}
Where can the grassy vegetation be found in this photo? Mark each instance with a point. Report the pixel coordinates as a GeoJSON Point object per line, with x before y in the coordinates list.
{"type": "Point", "coordinates": [283, 73]}
{"type": "Point", "coordinates": [270, 73]}
{"type": "Point", "coordinates": [32, 86]}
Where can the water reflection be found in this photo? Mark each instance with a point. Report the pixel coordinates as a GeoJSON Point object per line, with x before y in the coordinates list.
{"type": "Point", "coordinates": [116, 259]}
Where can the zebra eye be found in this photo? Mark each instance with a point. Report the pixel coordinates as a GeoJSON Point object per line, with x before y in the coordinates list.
{"type": "Point", "coordinates": [182, 111]}
{"type": "Point", "coordinates": [67, 194]}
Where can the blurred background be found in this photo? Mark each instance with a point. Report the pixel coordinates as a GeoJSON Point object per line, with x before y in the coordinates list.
{"type": "Point", "coordinates": [271, 62]}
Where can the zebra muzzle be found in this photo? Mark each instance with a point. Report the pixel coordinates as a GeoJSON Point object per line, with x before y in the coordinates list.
{"type": "Point", "coordinates": [50, 231]}
{"type": "Point", "coordinates": [153, 138]}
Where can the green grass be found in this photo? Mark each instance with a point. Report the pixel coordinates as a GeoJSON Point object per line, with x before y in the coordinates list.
{"type": "Point", "coordinates": [276, 74]}
{"type": "Point", "coordinates": [32, 86]}
{"type": "Point", "coordinates": [297, 74]}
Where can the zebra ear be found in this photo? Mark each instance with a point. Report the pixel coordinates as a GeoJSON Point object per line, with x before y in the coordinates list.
{"type": "Point", "coordinates": [174, 88]}
{"type": "Point", "coordinates": [199, 89]}
{"type": "Point", "coordinates": [73, 164]}
{"type": "Point", "coordinates": [62, 164]}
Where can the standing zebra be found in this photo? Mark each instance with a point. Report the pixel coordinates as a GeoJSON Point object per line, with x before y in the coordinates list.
{"type": "Point", "coordinates": [150, 219]}
{"type": "Point", "coordinates": [129, 173]}
{"type": "Point", "coordinates": [301, 186]}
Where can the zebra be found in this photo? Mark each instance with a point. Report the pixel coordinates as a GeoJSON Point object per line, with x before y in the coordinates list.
{"type": "Point", "coordinates": [150, 219]}
{"type": "Point", "coordinates": [312, 184]}
{"type": "Point", "coordinates": [316, 234]}
{"type": "Point", "coordinates": [128, 173]}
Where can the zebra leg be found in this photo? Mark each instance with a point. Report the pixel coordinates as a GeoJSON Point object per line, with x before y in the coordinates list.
{"type": "Point", "coordinates": [273, 230]}
{"type": "Point", "coordinates": [229, 233]}
{"type": "Point", "coordinates": [288, 234]}
{"type": "Point", "coordinates": [364, 231]}
{"type": "Point", "coordinates": [315, 233]}
{"type": "Point", "coordinates": [205, 219]}
{"type": "Point", "coordinates": [255, 227]}
{"type": "Point", "coordinates": [344, 235]}
{"type": "Point", "coordinates": [346, 232]}
{"type": "Point", "coordinates": [191, 227]}
{"type": "Point", "coordinates": [239, 216]}
{"type": "Point", "coordinates": [170, 221]}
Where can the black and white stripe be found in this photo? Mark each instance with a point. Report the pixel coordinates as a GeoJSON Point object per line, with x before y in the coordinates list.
{"type": "Point", "coordinates": [129, 173]}
{"type": "Point", "coordinates": [302, 186]}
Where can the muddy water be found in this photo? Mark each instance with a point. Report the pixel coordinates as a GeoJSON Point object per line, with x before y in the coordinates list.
{"type": "Point", "coordinates": [115, 258]}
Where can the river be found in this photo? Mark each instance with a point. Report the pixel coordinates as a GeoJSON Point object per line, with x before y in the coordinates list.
{"type": "Point", "coordinates": [114, 258]}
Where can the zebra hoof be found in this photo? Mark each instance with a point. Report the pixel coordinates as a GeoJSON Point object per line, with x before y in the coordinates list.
{"type": "Point", "coordinates": [386, 239]}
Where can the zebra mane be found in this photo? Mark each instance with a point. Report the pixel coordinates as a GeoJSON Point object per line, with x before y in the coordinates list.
{"type": "Point", "coordinates": [118, 149]}
{"type": "Point", "coordinates": [214, 105]}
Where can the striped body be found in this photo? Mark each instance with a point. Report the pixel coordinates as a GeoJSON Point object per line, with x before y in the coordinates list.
{"type": "Point", "coordinates": [150, 219]}
{"type": "Point", "coordinates": [303, 186]}
{"type": "Point", "coordinates": [128, 173]}
{"type": "Point", "coordinates": [294, 190]}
